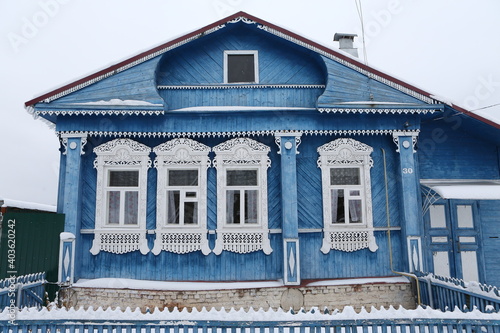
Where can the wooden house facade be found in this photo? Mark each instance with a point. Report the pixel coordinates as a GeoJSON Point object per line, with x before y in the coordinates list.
{"type": "Point", "coordinates": [245, 152]}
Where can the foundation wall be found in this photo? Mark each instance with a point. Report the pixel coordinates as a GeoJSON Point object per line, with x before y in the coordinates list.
{"type": "Point", "coordinates": [331, 297]}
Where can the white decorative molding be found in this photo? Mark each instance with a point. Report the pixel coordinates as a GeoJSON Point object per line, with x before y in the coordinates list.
{"type": "Point", "coordinates": [243, 154]}
{"type": "Point", "coordinates": [181, 154]}
{"type": "Point", "coordinates": [346, 152]}
{"type": "Point", "coordinates": [242, 241]}
{"type": "Point", "coordinates": [228, 134]}
{"type": "Point", "coordinates": [243, 86]}
{"type": "Point", "coordinates": [63, 138]}
{"type": "Point", "coordinates": [349, 241]}
{"type": "Point", "coordinates": [116, 155]}
{"type": "Point", "coordinates": [56, 112]}
{"type": "Point", "coordinates": [374, 110]}
{"type": "Point", "coordinates": [119, 242]}
{"type": "Point", "coordinates": [412, 134]}
{"type": "Point", "coordinates": [279, 135]}
{"type": "Point", "coordinates": [181, 242]}
{"type": "Point", "coordinates": [242, 19]}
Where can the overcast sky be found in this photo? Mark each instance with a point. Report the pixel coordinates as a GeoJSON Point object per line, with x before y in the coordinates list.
{"type": "Point", "coordinates": [450, 48]}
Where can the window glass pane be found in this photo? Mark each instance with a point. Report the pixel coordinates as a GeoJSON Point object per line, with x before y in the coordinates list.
{"type": "Point", "coordinates": [241, 177]}
{"type": "Point", "coordinates": [354, 193]}
{"type": "Point", "coordinates": [173, 207]}
{"type": "Point", "coordinates": [438, 216]}
{"type": "Point", "coordinates": [338, 215]}
{"type": "Point", "coordinates": [124, 178]}
{"type": "Point", "coordinates": [113, 207]}
{"type": "Point", "coordinates": [344, 176]}
{"type": "Point", "coordinates": [464, 214]}
{"type": "Point", "coordinates": [131, 207]}
{"type": "Point", "coordinates": [355, 212]}
{"type": "Point", "coordinates": [233, 206]}
{"type": "Point", "coordinates": [190, 213]}
{"type": "Point", "coordinates": [183, 177]}
{"type": "Point", "coordinates": [251, 210]}
{"type": "Point", "coordinates": [240, 68]}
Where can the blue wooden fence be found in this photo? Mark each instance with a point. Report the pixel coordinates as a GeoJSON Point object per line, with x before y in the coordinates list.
{"type": "Point", "coordinates": [446, 293]}
{"type": "Point", "coordinates": [419, 325]}
{"type": "Point", "coordinates": [23, 291]}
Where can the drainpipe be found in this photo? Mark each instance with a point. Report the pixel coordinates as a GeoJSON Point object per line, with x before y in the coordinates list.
{"type": "Point", "coordinates": [409, 275]}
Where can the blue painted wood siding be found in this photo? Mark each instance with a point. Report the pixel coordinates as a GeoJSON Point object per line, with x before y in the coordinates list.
{"type": "Point", "coordinates": [202, 63]}
{"type": "Point", "coordinates": [254, 266]}
{"type": "Point", "coordinates": [446, 151]}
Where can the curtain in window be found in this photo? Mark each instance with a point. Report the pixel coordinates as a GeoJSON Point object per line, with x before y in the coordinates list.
{"type": "Point", "coordinates": [113, 207]}
{"type": "Point", "coordinates": [131, 207]}
{"type": "Point", "coordinates": [251, 208]}
{"type": "Point", "coordinates": [173, 207]}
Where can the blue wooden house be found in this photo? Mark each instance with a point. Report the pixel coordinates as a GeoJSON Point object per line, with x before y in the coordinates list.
{"type": "Point", "coordinates": [245, 152]}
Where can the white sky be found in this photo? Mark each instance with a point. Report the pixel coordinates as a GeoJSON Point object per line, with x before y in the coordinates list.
{"type": "Point", "coordinates": [450, 48]}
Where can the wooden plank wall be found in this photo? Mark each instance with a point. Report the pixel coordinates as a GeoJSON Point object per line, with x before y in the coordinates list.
{"type": "Point", "coordinates": [254, 266]}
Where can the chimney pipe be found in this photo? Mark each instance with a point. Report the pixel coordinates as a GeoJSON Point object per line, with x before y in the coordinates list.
{"type": "Point", "coordinates": [346, 43]}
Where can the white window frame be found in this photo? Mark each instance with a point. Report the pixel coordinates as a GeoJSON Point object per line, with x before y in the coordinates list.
{"type": "Point", "coordinates": [242, 154]}
{"type": "Point", "coordinates": [122, 189]}
{"type": "Point", "coordinates": [120, 155]}
{"type": "Point", "coordinates": [348, 237]}
{"type": "Point", "coordinates": [255, 54]}
{"type": "Point", "coordinates": [242, 189]}
{"type": "Point", "coordinates": [181, 154]}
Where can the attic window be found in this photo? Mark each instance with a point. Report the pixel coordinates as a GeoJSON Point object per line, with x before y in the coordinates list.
{"type": "Point", "coordinates": [241, 67]}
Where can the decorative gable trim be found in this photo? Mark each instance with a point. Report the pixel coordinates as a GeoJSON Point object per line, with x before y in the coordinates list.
{"type": "Point", "coordinates": [98, 112]}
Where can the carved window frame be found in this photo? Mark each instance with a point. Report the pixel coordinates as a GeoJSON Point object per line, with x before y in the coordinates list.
{"type": "Point", "coordinates": [242, 154]}
{"type": "Point", "coordinates": [348, 237]}
{"type": "Point", "coordinates": [120, 155]}
{"type": "Point", "coordinates": [181, 154]}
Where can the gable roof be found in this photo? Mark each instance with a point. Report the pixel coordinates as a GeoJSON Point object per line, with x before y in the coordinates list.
{"type": "Point", "coordinates": [270, 28]}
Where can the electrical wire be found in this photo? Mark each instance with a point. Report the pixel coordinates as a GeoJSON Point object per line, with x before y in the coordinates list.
{"type": "Point", "coordinates": [360, 14]}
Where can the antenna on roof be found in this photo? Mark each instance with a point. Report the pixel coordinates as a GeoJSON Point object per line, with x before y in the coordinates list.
{"type": "Point", "coordinates": [360, 13]}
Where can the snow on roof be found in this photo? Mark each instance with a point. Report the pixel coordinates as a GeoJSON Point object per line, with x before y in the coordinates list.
{"type": "Point", "coordinates": [474, 192]}
{"type": "Point", "coordinates": [26, 205]}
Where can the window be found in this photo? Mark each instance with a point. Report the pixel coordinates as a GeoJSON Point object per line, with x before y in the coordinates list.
{"type": "Point", "coordinates": [242, 226]}
{"type": "Point", "coordinates": [181, 202]}
{"type": "Point", "coordinates": [120, 220]}
{"type": "Point", "coordinates": [346, 194]}
{"type": "Point", "coordinates": [241, 67]}
{"type": "Point", "coordinates": [182, 197]}
{"type": "Point", "coordinates": [347, 218]}
{"type": "Point", "coordinates": [242, 196]}
{"type": "Point", "coordinates": [122, 195]}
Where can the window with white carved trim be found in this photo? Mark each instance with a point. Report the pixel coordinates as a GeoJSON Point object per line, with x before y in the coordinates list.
{"type": "Point", "coordinates": [347, 204]}
{"type": "Point", "coordinates": [120, 220]}
{"type": "Point", "coordinates": [242, 196]}
{"type": "Point", "coordinates": [181, 211]}
{"type": "Point", "coordinates": [241, 67]}
{"type": "Point", "coordinates": [242, 225]}
{"type": "Point", "coordinates": [122, 197]}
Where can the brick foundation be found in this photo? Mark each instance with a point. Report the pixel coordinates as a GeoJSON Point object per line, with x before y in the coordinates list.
{"type": "Point", "coordinates": [332, 297]}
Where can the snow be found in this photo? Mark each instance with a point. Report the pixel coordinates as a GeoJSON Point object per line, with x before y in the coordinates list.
{"type": "Point", "coordinates": [348, 313]}
{"type": "Point", "coordinates": [66, 236]}
{"type": "Point", "coordinates": [117, 283]}
{"type": "Point", "coordinates": [115, 101]}
{"type": "Point", "coordinates": [241, 108]}
{"type": "Point", "coordinates": [492, 114]}
{"type": "Point", "coordinates": [476, 192]}
{"type": "Point", "coordinates": [27, 205]}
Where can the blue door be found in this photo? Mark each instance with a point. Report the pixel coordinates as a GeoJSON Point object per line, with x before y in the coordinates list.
{"type": "Point", "coordinates": [453, 238]}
